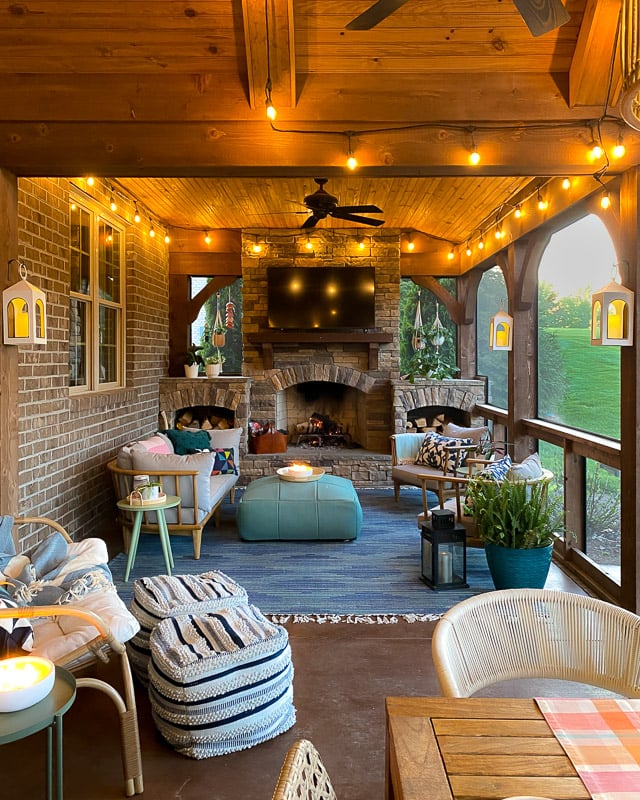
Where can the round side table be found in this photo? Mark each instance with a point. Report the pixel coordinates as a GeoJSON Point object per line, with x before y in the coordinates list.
{"type": "Point", "coordinates": [138, 510]}
{"type": "Point", "coordinates": [15, 725]}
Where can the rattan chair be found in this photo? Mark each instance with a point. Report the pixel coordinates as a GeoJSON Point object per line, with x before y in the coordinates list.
{"type": "Point", "coordinates": [99, 648]}
{"type": "Point", "coordinates": [536, 633]}
{"type": "Point", "coordinates": [303, 775]}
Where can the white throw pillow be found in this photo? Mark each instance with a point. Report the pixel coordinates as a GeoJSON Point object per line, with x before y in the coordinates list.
{"type": "Point", "coordinates": [527, 470]}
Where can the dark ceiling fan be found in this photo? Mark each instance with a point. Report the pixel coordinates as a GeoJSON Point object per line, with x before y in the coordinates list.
{"type": "Point", "coordinates": [321, 204]}
{"type": "Point", "coordinates": [540, 16]}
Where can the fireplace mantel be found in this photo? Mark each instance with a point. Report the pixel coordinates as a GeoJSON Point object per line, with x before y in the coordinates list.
{"type": "Point", "coordinates": [268, 339]}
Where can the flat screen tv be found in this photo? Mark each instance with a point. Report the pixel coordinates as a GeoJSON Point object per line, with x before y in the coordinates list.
{"type": "Point", "coordinates": [321, 298]}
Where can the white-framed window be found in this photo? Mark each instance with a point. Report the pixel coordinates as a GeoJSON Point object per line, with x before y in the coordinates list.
{"type": "Point", "coordinates": [96, 303]}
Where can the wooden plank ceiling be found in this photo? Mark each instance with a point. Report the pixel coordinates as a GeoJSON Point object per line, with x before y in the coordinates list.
{"type": "Point", "coordinates": [167, 99]}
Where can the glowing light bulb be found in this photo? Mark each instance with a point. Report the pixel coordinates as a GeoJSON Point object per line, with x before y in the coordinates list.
{"type": "Point", "coordinates": [411, 246]}
{"type": "Point", "coordinates": [167, 238]}
{"type": "Point", "coordinates": [308, 244]}
{"type": "Point", "coordinates": [91, 180]}
{"type": "Point", "coordinates": [207, 238]}
{"type": "Point", "coordinates": [152, 232]}
{"type": "Point", "coordinates": [468, 251]}
{"type": "Point", "coordinates": [271, 111]}
{"type": "Point", "coordinates": [605, 200]}
{"type": "Point", "coordinates": [257, 247]}
{"type": "Point", "coordinates": [360, 244]}
{"type": "Point", "coordinates": [499, 233]}
{"type": "Point", "coordinates": [474, 157]}
{"type": "Point", "coordinates": [518, 212]}
{"type": "Point", "coordinates": [481, 243]}
{"type": "Point", "coordinates": [113, 205]}
{"type": "Point", "coordinates": [136, 216]}
{"type": "Point", "coordinates": [542, 203]}
{"type": "Point", "coordinates": [451, 254]}
{"type": "Point", "coordinates": [596, 152]}
{"type": "Point", "coordinates": [619, 149]}
{"type": "Point", "coordinates": [566, 183]}
{"type": "Point", "coordinates": [352, 162]}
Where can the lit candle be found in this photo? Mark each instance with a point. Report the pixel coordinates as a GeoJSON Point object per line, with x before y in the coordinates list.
{"type": "Point", "coordinates": [300, 470]}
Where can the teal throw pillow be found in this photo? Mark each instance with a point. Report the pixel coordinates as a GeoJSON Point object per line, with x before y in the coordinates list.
{"type": "Point", "coordinates": [186, 442]}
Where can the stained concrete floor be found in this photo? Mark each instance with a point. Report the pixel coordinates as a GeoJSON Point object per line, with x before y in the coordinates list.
{"type": "Point", "coordinates": [343, 672]}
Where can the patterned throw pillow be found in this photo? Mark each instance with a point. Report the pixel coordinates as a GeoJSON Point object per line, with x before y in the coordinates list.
{"type": "Point", "coordinates": [434, 450]}
{"type": "Point", "coordinates": [224, 463]}
{"type": "Point", "coordinates": [16, 635]}
{"type": "Point", "coordinates": [497, 470]}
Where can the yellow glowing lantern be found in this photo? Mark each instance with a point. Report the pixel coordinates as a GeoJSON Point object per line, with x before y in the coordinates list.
{"type": "Point", "coordinates": [25, 311]}
{"type": "Point", "coordinates": [612, 315]}
{"type": "Point", "coordinates": [501, 330]}
{"type": "Point", "coordinates": [24, 681]}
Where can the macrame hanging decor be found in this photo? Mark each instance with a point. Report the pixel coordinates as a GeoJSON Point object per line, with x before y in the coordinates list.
{"type": "Point", "coordinates": [219, 332]}
{"type": "Point", "coordinates": [436, 334]}
{"type": "Point", "coordinates": [417, 342]}
{"type": "Point", "coordinates": [230, 311]}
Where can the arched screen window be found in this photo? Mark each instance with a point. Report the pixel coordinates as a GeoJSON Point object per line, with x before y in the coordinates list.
{"type": "Point", "coordinates": [578, 385]}
{"type": "Point", "coordinates": [492, 292]}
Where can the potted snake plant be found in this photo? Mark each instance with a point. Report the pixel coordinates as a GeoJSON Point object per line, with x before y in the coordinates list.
{"type": "Point", "coordinates": [517, 523]}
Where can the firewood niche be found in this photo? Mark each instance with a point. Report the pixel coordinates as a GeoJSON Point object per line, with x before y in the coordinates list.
{"type": "Point", "coordinates": [268, 339]}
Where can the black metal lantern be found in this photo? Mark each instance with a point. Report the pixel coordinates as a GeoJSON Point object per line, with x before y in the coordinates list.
{"type": "Point", "coordinates": [444, 554]}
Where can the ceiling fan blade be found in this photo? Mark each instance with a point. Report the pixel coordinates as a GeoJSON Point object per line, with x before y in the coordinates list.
{"type": "Point", "coordinates": [374, 14]}
{"type": "Point", "coordinates": [338, 213]}
{"type": "Point", "coordinates": [311, 222]}
{"type": "Point", "coordinates": [363, 209]}
{"type": "Point", "coordinates": [542, 16]}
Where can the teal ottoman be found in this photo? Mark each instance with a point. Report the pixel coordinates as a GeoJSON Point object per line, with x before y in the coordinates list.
{"type": "Point", "coordinates": [271, 508]}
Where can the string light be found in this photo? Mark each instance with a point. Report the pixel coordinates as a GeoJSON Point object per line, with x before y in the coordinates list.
{"type": "Point", "coordinates": [271, 111]}
{"type": "Point", "coordinates": [474, 156]}
{"type": "Point", "coordinates": [468, 251]}
{"type": "Point", "coordinates": [451, 254]}
{"type": "Point", "coordinates": [152, 232]}
{"type": "Point", "coordinates": [518, 211]}
{"type": "Point", "coordinates": [542, 203]}
{"type": "Point", "coordinates": [481, 242]}
{"type": "Point", "coordinates": [619, 149]}
{"type": "Point", "coordinates": [605, 200]}
{"type": "Point", "coordinates": [411, 245]}
{"type": "Point", "coordinates": [361, 243]}
{"type": "Point", "coordinates": [90, 180]}
{"type": "Point", "coordinates": [136, 215]}
{"type": "Point", "coordinates": [207, 238]}
{"type": "Point", "coordinates": [566, 184]}
{"type": "Point", "coordinates": [257, 247]}
{"type": "Point", "coordinates": [499, 233]}
{"type": "Point", "coordinates": [113, 205]}
{"type": "Point", "coordinates": [309, 244]}
{"type": "Point", "coordinates": [167, 238]}
{"type": "Point", "coordinates": [352, 161]}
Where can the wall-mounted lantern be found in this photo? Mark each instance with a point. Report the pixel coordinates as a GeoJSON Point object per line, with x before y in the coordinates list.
{"type": "Point", "coordinates": [24, 311]}
{"type": "Point", "coordinates": [501, 330]}
{"type": "Point", "coordinates": [612, 315]}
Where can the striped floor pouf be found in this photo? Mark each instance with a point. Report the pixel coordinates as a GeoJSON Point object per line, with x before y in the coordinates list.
{"type": "Point", "coordinates": [220, 682]}
{"type": "Point", "coordinates": [162, 596]}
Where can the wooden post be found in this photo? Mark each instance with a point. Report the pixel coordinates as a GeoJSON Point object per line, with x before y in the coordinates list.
{"type": "Point", "coordinates": [9, 493]}
{"type": "Point", "coordinates": [629, 252]}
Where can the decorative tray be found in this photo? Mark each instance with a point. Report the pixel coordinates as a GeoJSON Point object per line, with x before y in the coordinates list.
{"type": "Point", "coordinates": [136, 499]}
{"type": "Point", "coordinates": [286, 475]}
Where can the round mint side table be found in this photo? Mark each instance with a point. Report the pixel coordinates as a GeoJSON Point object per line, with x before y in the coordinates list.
{"type": "Point", "coordinates": [15, 725]}
{"type": "Point", "coordinates": [171, 501]}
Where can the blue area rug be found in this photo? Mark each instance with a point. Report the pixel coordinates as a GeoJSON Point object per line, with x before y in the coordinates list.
{"type": "Point", "coordinates": [376, 575]}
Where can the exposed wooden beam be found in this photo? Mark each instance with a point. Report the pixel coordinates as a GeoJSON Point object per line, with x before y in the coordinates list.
{"type": "Point", "coordinates": [273, 58]}
{"type": "Point", "coordinates": [245, 148]}
{"type": "Point", "coordinates": [591, 65]}
{"type": "Point", "coordinates": [331, 99]}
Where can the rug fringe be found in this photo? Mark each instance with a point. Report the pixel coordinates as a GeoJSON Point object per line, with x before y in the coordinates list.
{"type": "Point", "coordinates": [367, 619]}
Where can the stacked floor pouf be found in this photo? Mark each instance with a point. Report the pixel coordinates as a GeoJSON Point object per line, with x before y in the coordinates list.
{"type": "Point", "coordinates": [219, 672]}
{"type": "Point", "coordinates": [220, 681]}
{"type": "Point", "coordinates": [162, 596]}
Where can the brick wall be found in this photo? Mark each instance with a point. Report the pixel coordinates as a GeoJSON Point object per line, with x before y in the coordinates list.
{"type": "Point", "coordinates": [65, 441]}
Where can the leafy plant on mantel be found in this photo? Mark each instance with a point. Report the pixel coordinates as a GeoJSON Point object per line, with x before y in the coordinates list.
{"type": "Point", "coordinates": [512, 513]}
{"type": "Point", "coordinates": [192, 356]}
{"type": "Point", "coordinates": [427, 363]}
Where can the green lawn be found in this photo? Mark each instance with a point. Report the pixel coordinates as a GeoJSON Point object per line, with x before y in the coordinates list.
{"type": "Point", "coordinates": [591, 400]}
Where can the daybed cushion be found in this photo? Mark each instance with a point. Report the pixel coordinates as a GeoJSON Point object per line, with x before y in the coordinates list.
{"type": "Point", "coordinates": [203, 462]}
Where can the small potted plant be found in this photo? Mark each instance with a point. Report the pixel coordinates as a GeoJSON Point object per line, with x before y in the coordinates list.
{"type": "Point", "coordinates": [518, 523]}
{"type": "Point", "coordinates": [193, 361]}
{"type": "Point", "coordinates": [214, 364]}
{"type": "Point", "coordinates": [431, 364]}
{"type": "Point", "coordinates": [219, 335]}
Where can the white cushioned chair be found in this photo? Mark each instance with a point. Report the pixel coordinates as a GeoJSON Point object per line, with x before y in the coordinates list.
{"type": "Point", "coordinates": [536, 633]}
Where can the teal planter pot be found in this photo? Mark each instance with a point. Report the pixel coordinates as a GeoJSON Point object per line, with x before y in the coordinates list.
{"type": "Point", "coordinates": [511, 568]}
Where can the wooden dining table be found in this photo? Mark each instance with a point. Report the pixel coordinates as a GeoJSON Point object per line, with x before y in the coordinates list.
{"type": "Point", "coordinates": [443, 748]}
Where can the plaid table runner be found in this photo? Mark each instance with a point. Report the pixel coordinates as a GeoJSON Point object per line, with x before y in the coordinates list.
{"type": "Point", "coordinates": [602, 738]}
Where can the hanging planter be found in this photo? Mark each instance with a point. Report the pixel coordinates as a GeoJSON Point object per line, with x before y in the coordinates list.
{"type": "Point", "coordinates": [219, 331]}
